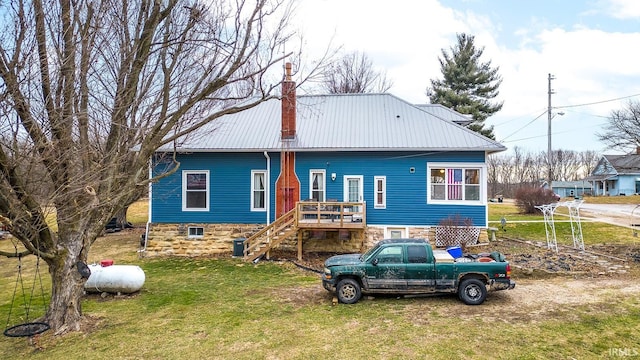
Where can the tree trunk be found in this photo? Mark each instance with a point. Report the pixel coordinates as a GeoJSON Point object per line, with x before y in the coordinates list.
{"type": "Point", "coordinates": [65, 306]}
{"type": "Point", "coordinates": [121, 218]}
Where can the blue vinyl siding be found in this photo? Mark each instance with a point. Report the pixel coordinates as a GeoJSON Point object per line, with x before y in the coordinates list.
{"type": "Point", "coordinates": [626, 185]}
{"type": "Point", "coordinates": [406, 191]}
{"type": "Point", "coordinates": [229, 190]}
{"type": "Point", "coordinates": [230, 187]}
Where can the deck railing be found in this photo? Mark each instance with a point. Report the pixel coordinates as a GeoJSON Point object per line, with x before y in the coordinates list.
{"type": "Point", "coordinates": [332, 214]}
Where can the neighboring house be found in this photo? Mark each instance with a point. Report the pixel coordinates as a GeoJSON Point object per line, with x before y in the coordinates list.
{"type": "Point", "coordinates": [332, 172]}
{"type": "Point", "coordinates": [571, 188]}
{"type": "Point", "coordinates": [617, 175]}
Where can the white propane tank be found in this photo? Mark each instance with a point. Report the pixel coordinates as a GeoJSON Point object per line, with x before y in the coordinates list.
{"type": "Point", "coordinates": [109, 278]}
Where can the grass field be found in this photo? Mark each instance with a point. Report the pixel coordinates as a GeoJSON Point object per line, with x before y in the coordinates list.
{"type": "Point", "coordinates": [226, 309]}
{"type": "Point", "coordinates": [223, 308]}
{"type": "Point", "coordinates": [631, 199]}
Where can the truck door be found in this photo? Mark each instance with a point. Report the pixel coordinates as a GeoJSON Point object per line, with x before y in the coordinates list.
{"type": "Point", "coordinates": [387, 269]}
{"type": "Point", "coordinates": [420, 269]}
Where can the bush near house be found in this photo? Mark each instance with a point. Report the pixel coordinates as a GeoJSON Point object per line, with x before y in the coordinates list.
{"type": "Point", "coordinates": [455, 230]}
{"type": "Point", "coordinates": [527, 198]}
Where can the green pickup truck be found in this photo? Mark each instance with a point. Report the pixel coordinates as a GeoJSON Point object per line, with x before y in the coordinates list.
{"type": "Point", "coordinates": [410, 266]}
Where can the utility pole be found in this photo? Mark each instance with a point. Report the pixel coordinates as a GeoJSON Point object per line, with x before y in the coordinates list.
{"type": "Point", "coordinates": [549, 154]}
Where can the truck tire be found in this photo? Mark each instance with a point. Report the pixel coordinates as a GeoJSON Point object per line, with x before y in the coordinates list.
{"type": "Point", "coordinates": [348, 291]}
{"type": "Point", "coordinates": [472, 292]}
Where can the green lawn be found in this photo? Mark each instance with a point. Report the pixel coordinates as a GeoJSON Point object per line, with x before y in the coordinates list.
{"type": "Point", "coordinates": [531, 226]}
{"type": "Point", "coordinates": [223, 308]}
{"type": "Point", "coordinates": [226, 309]}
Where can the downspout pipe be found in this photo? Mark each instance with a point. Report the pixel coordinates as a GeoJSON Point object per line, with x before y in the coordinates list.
{"type": "Point", "coordinates": [150, 195]}
{"type": "Point", "coordinates": [267, 199]}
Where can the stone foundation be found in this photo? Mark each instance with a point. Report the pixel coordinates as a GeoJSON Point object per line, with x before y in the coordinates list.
{"type": "Point", "coordinates": [217, 239]}
{"type": "Point", "coordinates": [173, 239]}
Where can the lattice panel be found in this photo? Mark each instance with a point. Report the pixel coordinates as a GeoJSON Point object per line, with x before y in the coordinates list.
{"type": "Point", "coordinates": [456, 236]}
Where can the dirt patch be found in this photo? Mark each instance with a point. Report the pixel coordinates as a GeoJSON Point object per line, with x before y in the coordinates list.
{"type": "Point", "coordinates": [531, 301]}
{"type": "Point", "coordinates": [550, 285]}
{"type": "Point", "coordinates": [531, 260]}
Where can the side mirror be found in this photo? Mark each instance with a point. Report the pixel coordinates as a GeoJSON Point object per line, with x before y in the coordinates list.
{"type": "Point", "coordinates": [375, 262]}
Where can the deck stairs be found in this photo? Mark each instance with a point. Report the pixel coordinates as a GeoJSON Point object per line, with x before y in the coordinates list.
{"type": "Point", "coordinates": [259, 244]}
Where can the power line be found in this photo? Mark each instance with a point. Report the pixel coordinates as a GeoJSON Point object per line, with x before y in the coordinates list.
{"type": "Point", "coordinates": [588, 114]}
{"type": "Point", "coordinates": [514, 119]}
{"type": "Point", "coordinates": [596, 102]}
{"type": "Point", "coordinates": [555, 133]}
{"type": "Point", "coordinates": [525, 125]}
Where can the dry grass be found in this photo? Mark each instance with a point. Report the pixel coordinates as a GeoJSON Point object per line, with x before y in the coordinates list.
{"type": "Point", "coordinates": [631, 199]}
{"type": "Point", "coordinates": [222, 308]}
{"type": "Point", "coordinates": [226, 309]}
{"type": "Point", "coordinates": [138, 212]}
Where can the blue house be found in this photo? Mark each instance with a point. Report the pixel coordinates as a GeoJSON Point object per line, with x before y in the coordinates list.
{"type": "Point", "coordinates": [317, 173]}
{"type": "Point", "coordinates": [573, 189]}
{"type": "Point", "coordinates": [616, 175]}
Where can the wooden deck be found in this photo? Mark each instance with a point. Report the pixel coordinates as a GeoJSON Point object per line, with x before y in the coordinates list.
{"type": "Point", "coordinates": [337, 216]}
{"type": "Point", "coordinates": [331, 215]}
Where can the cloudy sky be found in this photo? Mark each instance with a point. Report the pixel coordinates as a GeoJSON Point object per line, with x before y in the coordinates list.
{"type": "Point", "coordinates": [591, 47]}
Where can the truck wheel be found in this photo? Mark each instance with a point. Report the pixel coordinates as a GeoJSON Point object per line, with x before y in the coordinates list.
{"type": "Point", "coordinates": [348, 291]}
{"type": "Point", "coordinates": [472, 292]}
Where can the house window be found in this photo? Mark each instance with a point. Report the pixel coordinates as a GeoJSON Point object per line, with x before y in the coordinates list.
{"type": "Point", "coordinates": [258, 190]}
{"type": "Point", "coordinates": [317, 186]}
{"type": "Point", "coordinates": [395, 232]}
{"type": "Point", "coordinates": [380, 195]}
{"type": "Point", "coordinates": [449, 183]}
{"type": "Point", "coordinates": [195, 190]}
{"type": "Point", "coordinates": [196, 232]}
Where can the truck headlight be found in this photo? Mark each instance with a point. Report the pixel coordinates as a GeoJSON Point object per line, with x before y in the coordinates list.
{"type": "Point", "coordinates": [327, 273]}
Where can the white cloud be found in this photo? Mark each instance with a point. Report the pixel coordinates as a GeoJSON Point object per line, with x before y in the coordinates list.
{"type": "Point", "coordinates": [405, 38]}
{"type": "Point", "coordinates": [624, 9]}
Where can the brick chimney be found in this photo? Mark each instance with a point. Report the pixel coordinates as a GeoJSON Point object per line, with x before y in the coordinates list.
{"type": "Point", "coordinates": [288, 105]}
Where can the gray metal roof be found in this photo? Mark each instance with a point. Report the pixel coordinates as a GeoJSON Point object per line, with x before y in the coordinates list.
{"type": "Point", "coordinates": [625, 164]}
{"type": "Point", "coordinates": [571, 184]}
{"type": "Point", "coordinates": [445, 113]}
{"type": "Point", "coordinates": [346, 122]}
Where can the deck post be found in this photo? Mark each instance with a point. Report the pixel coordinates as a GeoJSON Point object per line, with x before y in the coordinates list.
{"type": "Point", "coordinates": [299, 245]}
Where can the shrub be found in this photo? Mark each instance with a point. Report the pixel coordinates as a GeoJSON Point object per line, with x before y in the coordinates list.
{"type": "Point", "coordinates": [456, 231]}
{"type": "Point", "coordinates": [527, 198]}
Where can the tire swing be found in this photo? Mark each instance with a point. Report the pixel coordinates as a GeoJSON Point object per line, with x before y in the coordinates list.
{"type": "Point", "coordinates": [28, 328]}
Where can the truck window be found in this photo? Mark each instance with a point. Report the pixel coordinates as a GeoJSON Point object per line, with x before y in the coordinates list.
{"type": "Point", "coordinates": [390, 255]}
{"type": "Point", "coordinates": [416, 254]}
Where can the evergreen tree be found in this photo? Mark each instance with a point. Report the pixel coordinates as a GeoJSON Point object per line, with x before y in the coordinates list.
{"type": "Point", "coordinates": [467, 84]}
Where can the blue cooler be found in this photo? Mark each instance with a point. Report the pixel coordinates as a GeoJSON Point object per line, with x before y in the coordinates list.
{"type": "Point", "coordinates": [455, 251]}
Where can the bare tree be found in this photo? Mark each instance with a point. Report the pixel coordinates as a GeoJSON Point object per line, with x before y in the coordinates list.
{"type": "Point", "coordinates": [588, 160]}
{"type": "Point", "coordinates": [508, 172]}
{"type": "Point", "coordinates": [493, 172]}
{"type": "Point", "coordinates": [623, 129]}
{"type": "Point", "coordinates": [354, 73]}
{"type": "Point", "coordinates": [90, 90]}
{"type": "Point", "coordinates": [566, 165]}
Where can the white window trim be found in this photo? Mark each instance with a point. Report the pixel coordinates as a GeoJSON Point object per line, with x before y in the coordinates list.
{"type": "Point", "coordinates": [184, 189]}
{"type": "Point", "coordinates": [194, 236]}
{"type": "Point", "coordinates": [383, 205]}
{"type": "Point", "coordinates": [454, 165]}
{"type": "Point", "coordinates": [345, 187]}
{"type": "Point", "coordinates": [403, 229]}
{"type": "Point", "coordinates": [253, 173]}
{"type": "Point", "coordinates": [324, 183]}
